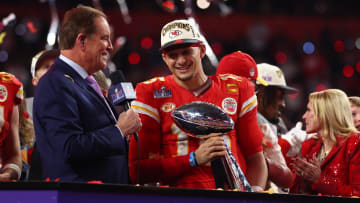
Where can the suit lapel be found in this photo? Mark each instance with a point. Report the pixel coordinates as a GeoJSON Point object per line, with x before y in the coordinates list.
{"type": "Point", "coordinates": [71, 74]}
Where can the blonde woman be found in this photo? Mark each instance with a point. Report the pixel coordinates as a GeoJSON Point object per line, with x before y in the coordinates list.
{"type": "Point", "coordinates": [330, 161]}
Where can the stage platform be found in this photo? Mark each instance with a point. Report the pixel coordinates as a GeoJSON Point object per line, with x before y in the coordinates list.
{"type": "Point", "coordinates": [58, 192]}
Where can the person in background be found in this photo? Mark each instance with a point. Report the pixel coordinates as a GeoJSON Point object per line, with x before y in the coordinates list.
{"type": "Point", "coordinates": [241, 64]}
{"type": "Point", "coordinates": [102, 80]}
{"type": "Point", "coordinates": [271, 106]}
{"type": "Point", "coordinates": [330, 161]}
{"type": "Point", "coordinates": [280, 176]}
{"type": "Point", "coordinates": [40, 64]}
{"type": "Point", "coordinates": [355, 110]}
{"type": "Point", "coordinates": [169, 155]}
{"type": "Point", "coordinates": [27, 138]}
{"type": "Point", "coordinates": [11, 95]}
{"type": "Point", "coordinates": [79, 134]}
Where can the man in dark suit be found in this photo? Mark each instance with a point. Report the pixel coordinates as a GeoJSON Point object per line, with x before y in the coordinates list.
{"type": "Point", "coordinates": [80, 137]}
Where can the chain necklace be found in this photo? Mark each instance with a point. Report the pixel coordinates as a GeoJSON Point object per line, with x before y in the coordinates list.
{"type": "Point", "coordinates": [323, 154]}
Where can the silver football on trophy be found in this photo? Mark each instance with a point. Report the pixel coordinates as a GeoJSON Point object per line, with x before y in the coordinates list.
{"type": "Point", "coordinates": [202, 118]}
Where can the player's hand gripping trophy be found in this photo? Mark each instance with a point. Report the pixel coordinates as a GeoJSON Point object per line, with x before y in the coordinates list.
{"type": "Point", "coordinates": [200, 119]}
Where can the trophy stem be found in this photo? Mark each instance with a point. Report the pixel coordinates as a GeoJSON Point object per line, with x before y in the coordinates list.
{"type": "Point", "coordinates": [236, 177]}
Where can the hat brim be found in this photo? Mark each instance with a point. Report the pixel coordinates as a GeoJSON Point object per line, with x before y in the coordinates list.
{"type": "Point", "coordinates": [179, 42]}
{"type": "Point", "coordinates": [289, 90]}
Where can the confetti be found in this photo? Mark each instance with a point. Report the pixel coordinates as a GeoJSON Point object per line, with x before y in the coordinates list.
{"type": "Point", "coordinates": [31, 27]}
{"type": "Point", "coordinates": [2, 36]}
{"type": "Point", "coordinates": [8, 19]}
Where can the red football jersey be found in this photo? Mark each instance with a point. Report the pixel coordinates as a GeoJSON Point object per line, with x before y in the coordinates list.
{"type": "Point", "coordinates": [165, 148]}
{"type": "Point", "coordinates": [11, 93]}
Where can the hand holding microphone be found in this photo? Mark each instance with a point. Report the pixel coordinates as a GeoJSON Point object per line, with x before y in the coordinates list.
{"type": "Point", "coordinates": [129, 122]}
{"type": "Point", "coordinates": [122, 94]}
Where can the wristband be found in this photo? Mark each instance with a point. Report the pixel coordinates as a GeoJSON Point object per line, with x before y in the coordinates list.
{"type": "Point", "coordinates": [15, 167]}
{"type": "Point", "coordinates": [192, 160]}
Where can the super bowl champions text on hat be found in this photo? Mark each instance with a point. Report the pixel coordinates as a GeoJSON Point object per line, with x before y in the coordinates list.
{"type": "Point", "coordinates": [179, 32]}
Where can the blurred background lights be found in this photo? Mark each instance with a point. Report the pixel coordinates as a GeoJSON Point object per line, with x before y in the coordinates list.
{"type": "Point", "coordinates": [203, 4]}
{"type": "Point", "coordinates": [358, 67]}
{"type": "Point", "coordinates": [146, 43]}
{"type": "Point", "coordinates": [357, 43]}
{"type": "Point", "coordinates": [348, 71]}
{"type": "Point", "coordinates": [134, 58]}
{"type": "Point", "coordinates": [20, 29]}
{"type": "Point", "coordinates": [3, 56]}
{"type": "Point", "coordinates": [339, 46]}
{"type": "Point", "coordinates": [51, 39]}
{"type": "Point", "coordinates": [308, 48]}
{"type": "Point", "coordinates": [280, 57]}
{"type": "Point", "coordinates": [320, 87]}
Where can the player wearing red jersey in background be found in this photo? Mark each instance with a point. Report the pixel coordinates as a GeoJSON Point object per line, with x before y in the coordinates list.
{"type": "Point", "coordinates": [168, 153]}
{"type": "Point", "coordinates": [11, 94]}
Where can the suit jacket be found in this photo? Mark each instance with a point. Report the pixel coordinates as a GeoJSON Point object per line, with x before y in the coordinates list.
{"type": "Point", "coordinates": [75, 130]}
{"type": "Point", "coordinates": [340, 170]}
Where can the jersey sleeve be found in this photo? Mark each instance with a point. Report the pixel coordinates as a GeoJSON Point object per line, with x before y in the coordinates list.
{"type": "Point", "coordinates": [153, 165]}
{"type": "Point", "coordinates": [15, 85]}
{"type": "Point", "coordinates": [248, 131]}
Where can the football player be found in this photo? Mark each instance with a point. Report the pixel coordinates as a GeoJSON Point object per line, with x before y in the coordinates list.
{"type": "Point", "coordinates": [11, 94]}
{"type": "Point", "coordinates": [169, 155]}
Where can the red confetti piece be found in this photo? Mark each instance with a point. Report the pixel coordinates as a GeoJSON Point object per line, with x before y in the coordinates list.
{"type": "Point", "coordinates": [31, 27]}
{"type": "Point", "coordinates": [169, 5]}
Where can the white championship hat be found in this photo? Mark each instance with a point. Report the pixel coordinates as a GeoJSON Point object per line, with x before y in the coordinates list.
{"type": "Point", "coordinates": [179, 32]}
{"type": "Point", "coordinates": [273, 76]}
{"type": "Point", "coordinates": [39, 57]}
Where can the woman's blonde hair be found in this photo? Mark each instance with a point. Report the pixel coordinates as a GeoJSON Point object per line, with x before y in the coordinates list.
{"type": "Point", "coordinates": [332, 109]}
{"type": "Point", "coordinates": [26, 127]}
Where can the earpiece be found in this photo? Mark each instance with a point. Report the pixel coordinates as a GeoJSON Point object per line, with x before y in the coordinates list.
{"type": "Point", "coordinates": [82, 41]}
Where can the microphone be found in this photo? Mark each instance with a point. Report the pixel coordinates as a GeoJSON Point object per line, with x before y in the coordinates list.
{"type": "Point", "coordinates": [122, 93]}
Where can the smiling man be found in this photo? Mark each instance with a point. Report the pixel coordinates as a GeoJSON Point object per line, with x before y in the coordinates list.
{"type": "Point", "coordinates": [272, 97]}
{"type": "Point", "coordinates": [168, 154]}
{"type": "Point", "coordinates": [79, 135]}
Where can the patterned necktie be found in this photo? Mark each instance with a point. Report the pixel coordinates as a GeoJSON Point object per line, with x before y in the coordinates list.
{"type": "Point", "coordinates": [96, 87]}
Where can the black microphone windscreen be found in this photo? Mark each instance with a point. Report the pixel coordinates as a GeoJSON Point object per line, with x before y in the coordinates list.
{"type": "Point", "coordinates": [117, 77]}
